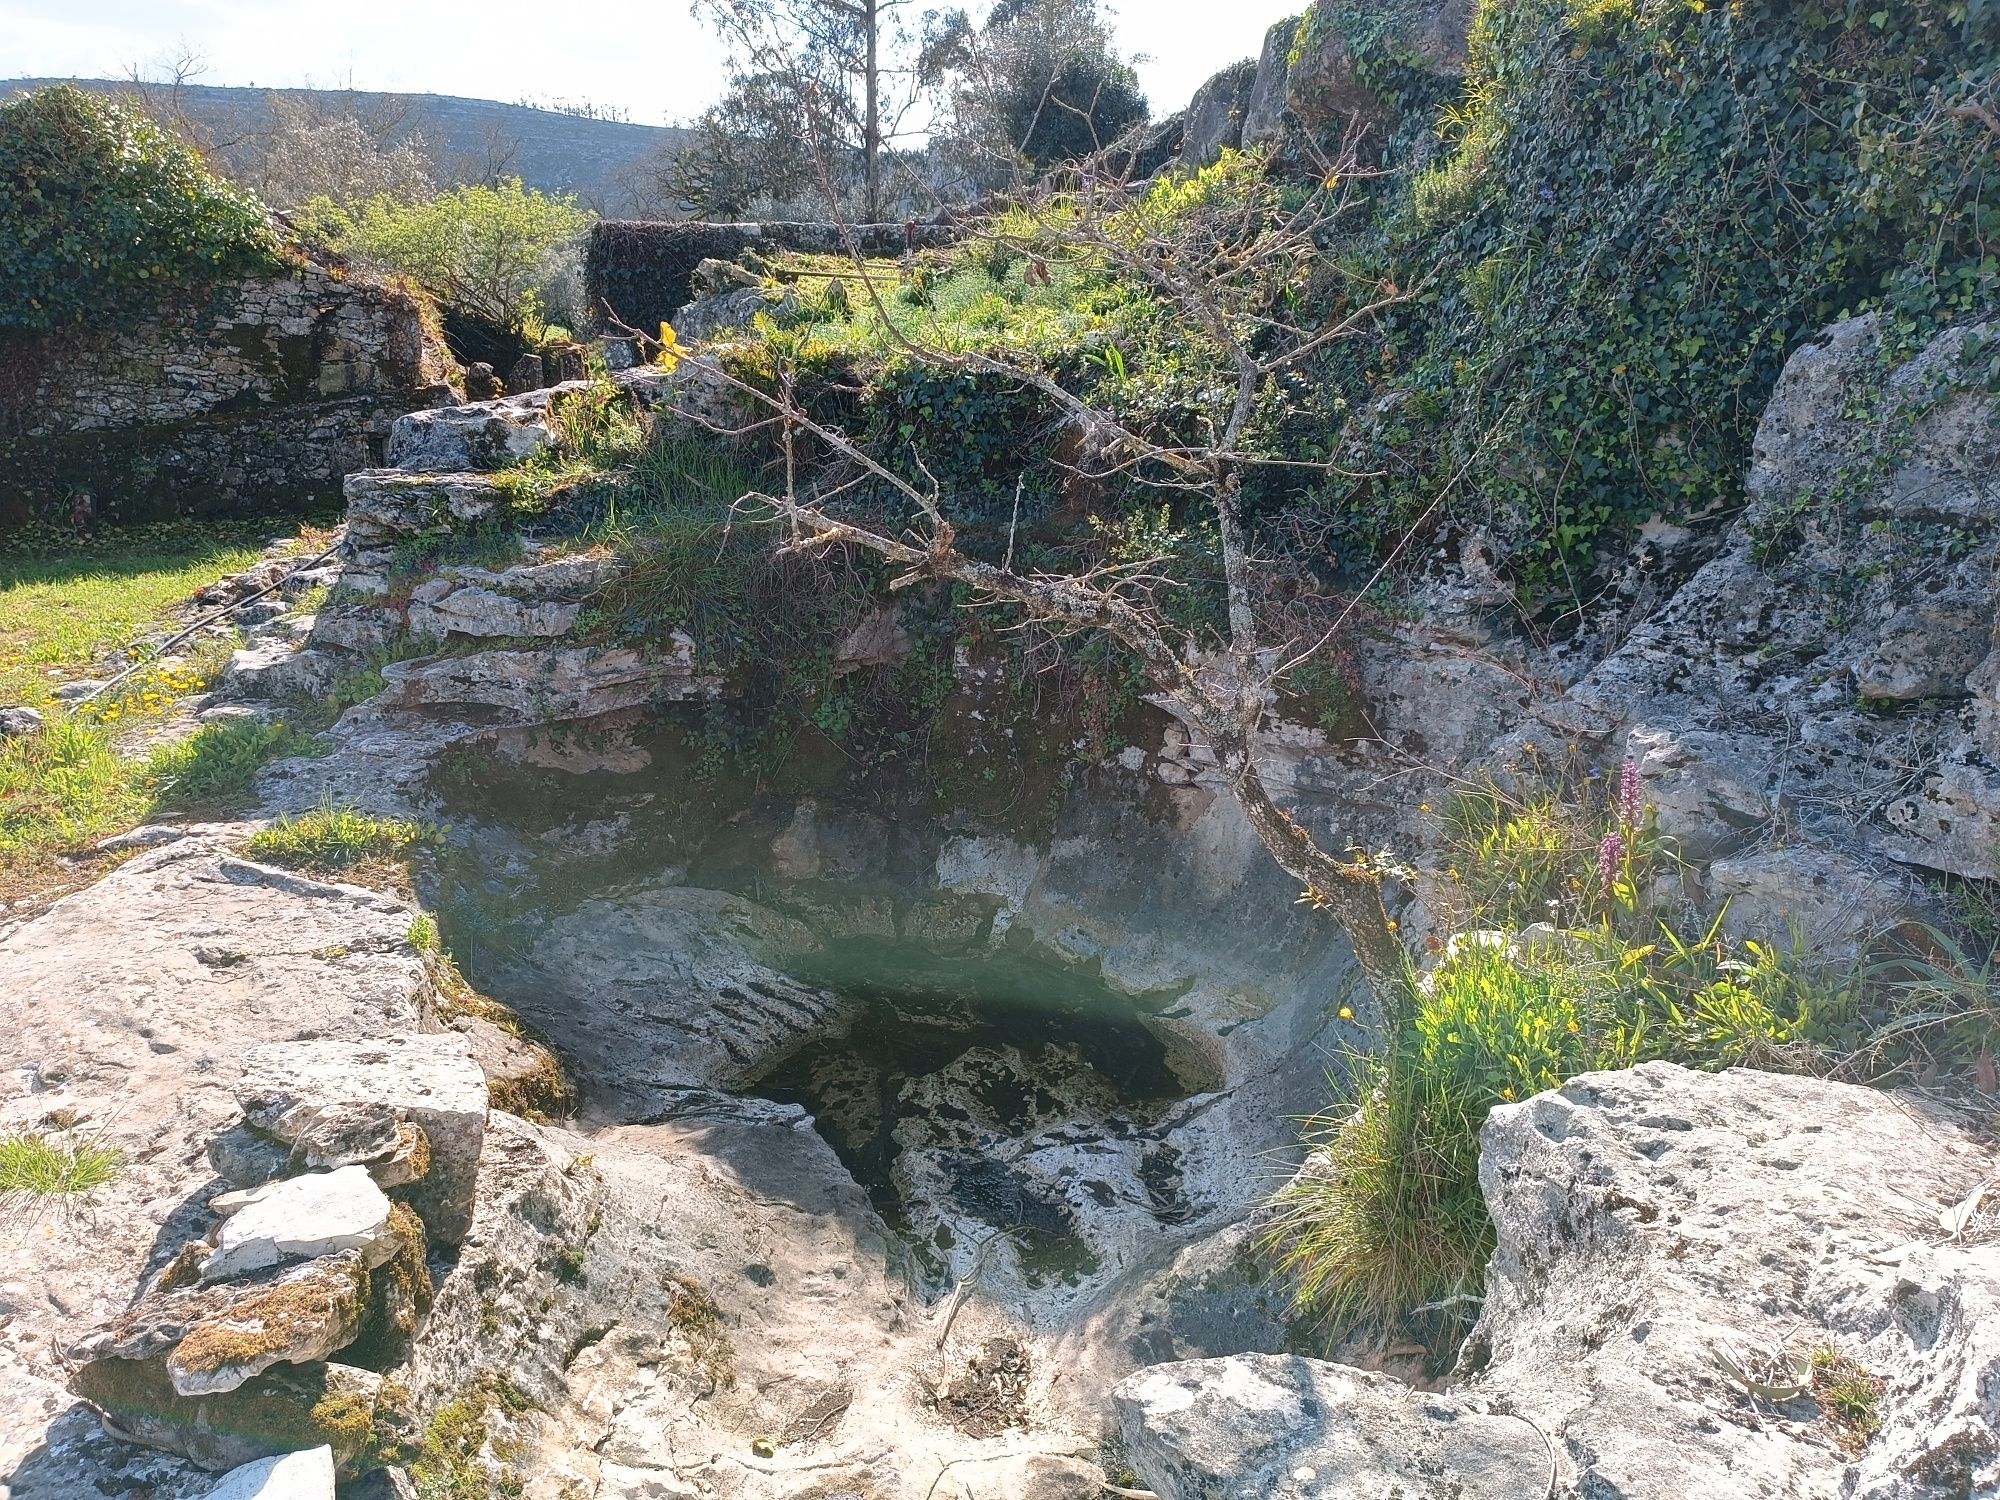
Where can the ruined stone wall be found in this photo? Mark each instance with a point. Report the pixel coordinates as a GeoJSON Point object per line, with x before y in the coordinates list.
{"type": "Point", "coordinates": [246, 395]}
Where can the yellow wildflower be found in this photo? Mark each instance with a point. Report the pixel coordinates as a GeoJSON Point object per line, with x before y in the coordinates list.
{"type": "Point", "coordinates": [1346, 1012]}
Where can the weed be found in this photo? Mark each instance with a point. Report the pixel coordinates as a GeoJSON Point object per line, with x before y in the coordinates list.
{"type": "Point", "coordinates": [220, 759]}
{"type": "Point", "coordinates": [424, 933]}
{"type": "Point", "coordinates": [40, 1166]}
{"type": "Point", "coordinates": [1849, 1395]}
{"type": "Point", "coordinates": [332, 838]}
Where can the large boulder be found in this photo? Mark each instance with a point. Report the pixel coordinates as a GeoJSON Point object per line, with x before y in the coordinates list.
{"type": "Point", "coordinates": [1661, 1229]}
{"type": "Point", "coordinates": [1279, 1427]}
{"type": "Point", "coordinates": [1215, 114]}
{"type": "Point", "coordinates": [1841, 645]}
{"type": "Point", "coordinates": [354, 1101]}
{"type": "Point", "coordinates": [1685, 1263]}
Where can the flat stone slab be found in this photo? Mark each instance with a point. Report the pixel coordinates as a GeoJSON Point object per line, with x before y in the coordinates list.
{"type": "Point", "coordinates": [302, 1218]}
{"type": "Point", "coordinates": [1279, 1427]}
{"type": "Point", "coordinates": [306, 1475]}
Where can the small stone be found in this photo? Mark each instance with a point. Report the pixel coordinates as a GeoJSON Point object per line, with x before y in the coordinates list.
{"type": "Point", "coordinates": [481, 383]}
{"type": "Point", "coordinates": [306, 1475]}
{"type": "Point", "coordinates": [302, 1218]}
{"type": "Point", "coordinates": [16, 722]}
{"type": "Point", "coordinates": [526, 375]}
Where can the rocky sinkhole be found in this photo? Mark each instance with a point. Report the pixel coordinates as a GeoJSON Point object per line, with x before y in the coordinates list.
{"type": "Point", "coordinates": [975, 1097]}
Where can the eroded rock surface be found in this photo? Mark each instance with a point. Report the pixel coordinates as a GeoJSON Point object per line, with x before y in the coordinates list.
{"type": "Point", "coordinates": [1278, 1427]}
{"type": "Point", "coordinates": [1656, 1227]}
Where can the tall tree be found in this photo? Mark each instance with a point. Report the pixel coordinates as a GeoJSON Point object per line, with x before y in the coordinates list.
{"type": "Point", "coordinates": [843, 76]}
{"type": "Point", "coordinates": [1037, 83]}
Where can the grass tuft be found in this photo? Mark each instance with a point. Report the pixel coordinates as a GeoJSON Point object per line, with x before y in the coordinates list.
{"type": "Point", "coordinates": [1849, 1395]}
{"type": "Point", "coordinates": [332, 838]}
{"type": "Point", "coordinates": [40, 1166]}
{"type": "Point", "coordinates": [221, 759]}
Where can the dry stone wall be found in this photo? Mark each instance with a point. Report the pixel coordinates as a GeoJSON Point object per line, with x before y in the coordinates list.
{"type": "Point", "coordinates": [251, 394]}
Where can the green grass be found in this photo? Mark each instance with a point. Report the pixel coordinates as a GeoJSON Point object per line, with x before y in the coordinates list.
{"type": "Point", "coordinates": [41, 1166]}
{"type": "Point", "coordinates": [332, 838]}
{"type": "Point", "coordinates": [63, 607]}
{"type": "Point", "coordinates": [62, 611]}
{"type": "Point", "coordinates": [1849, 1395]}
{"type": "Point", "coordinates": [219, 760]}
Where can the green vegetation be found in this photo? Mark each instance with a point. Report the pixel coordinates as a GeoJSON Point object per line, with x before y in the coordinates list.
{"type": "Point", "coordinates": [1848, 1394]}
{"type": "Point", "coordinates": [1645, 205]}
{"type": "Point", "coordinates": [486, 253]}
{"type": "Point", "coordinates": [101, 210]}
{"type": "Point", "coordinates": [1392, 1218]}
{"type": "Point", "coordinates": [332, 838]}
{"type": "Point", "coordinates": [63, 607]}
{"type": "Point", "coordinates": [220, 759]}
{"type": "Point", "coordinates": [458, 1457]}
{"type": "Point", "coordinates": [45, 1166]}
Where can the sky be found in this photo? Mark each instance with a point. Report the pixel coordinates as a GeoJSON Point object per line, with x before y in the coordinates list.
{"type": "Point", "coordinates": [651, 58]}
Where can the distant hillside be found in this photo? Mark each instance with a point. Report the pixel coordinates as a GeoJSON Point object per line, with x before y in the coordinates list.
{"type": "Point", "coordinates": [601, 161]}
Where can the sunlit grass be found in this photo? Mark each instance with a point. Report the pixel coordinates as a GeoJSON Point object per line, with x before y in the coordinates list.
{"type": "Point", "coordinates": [332, 838]}
{"type": "Point", "coordinates": [42, 1166]}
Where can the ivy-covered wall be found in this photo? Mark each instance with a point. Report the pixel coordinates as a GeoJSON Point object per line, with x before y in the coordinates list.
{"type": "Point", "coordinates": [253, 393]}
{"type": "Point", "coordinates": [1620, 223]}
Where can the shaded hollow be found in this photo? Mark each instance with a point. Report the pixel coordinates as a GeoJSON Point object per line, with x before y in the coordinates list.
{"type": "Point", "coordinates": [972, 1095]}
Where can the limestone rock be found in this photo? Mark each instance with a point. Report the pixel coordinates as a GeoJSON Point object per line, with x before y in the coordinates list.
{"type": "Point", "coordinates": [1279, 1427]}
{"type": "Point", "coordinates": [287, 1408]}
{"type": "Point", "coordinates": [445, 607]}
{"type": "Point", "coordinates": [484, 435]}
{"type": "Point", "coordinates": [386, 506]}
{"type": "Point", "coordinates": [1264, 111]}
{"type": "Point", "coordinates": [1650, 1219]}
{"type": "Point", "coordinates": [306, 1314]}
{"type": "Point", "coordinates": [278, 670]}
{"type": "Point", "coordinates": [353, 1101]}
{"type": "Point", "coordinates": [727, 312]}
{"type": "Point", "coordinates": [1707, 798]}
{"type": "Point", "coordinates": [362, 629]}
{"type": "Point", "coordinates": [1215, 114]}
{"type": "Point", "coordinates": [533, 686]}
{"type": "Point", "coordinates": [1748, 656]}
{"type": "Point", "coordinates": [656, 988]}
{"type": "Point", "coordinates": [321, 1213]}
{"type": "Point", "coordinates": [1835, 905]}
{"type": "Point", "coordinates": [305, 1475]}
{"type": "Point", "coordinates": [16, 722]}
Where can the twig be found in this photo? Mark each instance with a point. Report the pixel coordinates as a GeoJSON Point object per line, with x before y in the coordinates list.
{"type": "Point", "coordinates": [964, 1286]}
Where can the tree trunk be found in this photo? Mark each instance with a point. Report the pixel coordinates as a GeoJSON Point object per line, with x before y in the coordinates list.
{"type": "Point", "coordinates": [871, 20]}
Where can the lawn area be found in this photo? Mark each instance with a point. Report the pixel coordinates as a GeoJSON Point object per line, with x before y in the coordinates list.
{"type": "Point", "coordinates": [63, 613]}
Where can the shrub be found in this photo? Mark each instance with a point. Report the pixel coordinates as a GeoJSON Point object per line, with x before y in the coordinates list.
{"type": "Point", "coordinates": [101, 210]}
{"type": "Point", "coordinates": [1389, 1215]}
{"type": "Point", "coordinates": [488, 253]}
{"type": "Point", "coordinates": [41, 1166]}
